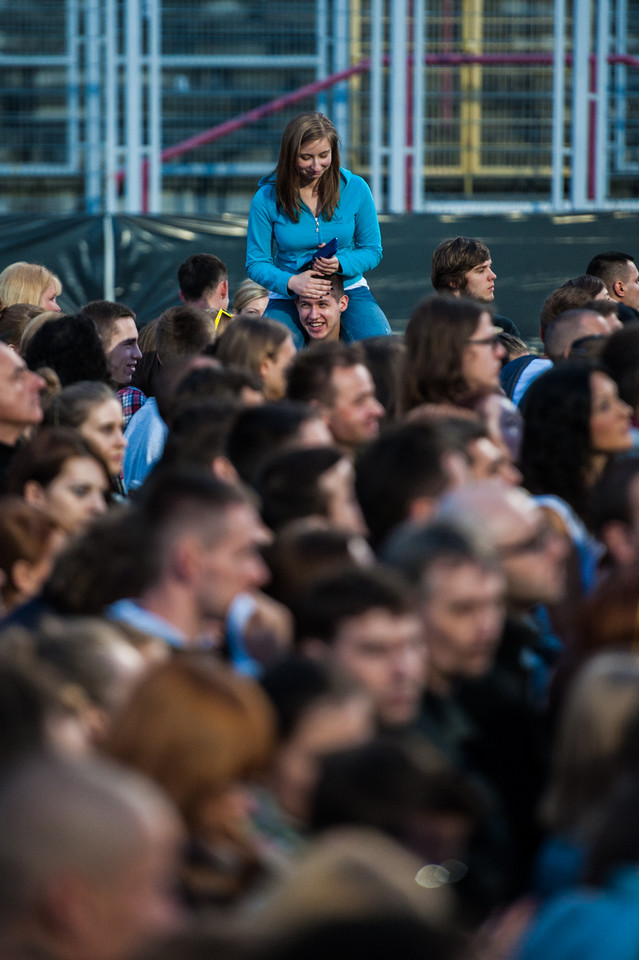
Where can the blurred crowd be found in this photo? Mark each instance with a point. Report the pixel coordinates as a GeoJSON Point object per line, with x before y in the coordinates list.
{"type": "Point", "coordinates": [320, 650]}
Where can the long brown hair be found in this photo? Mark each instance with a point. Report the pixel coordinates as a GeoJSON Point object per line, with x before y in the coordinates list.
{"type": "Point", "coordinates": [306, 128]}
{"type": "Point", "coordinates": [436, 336]}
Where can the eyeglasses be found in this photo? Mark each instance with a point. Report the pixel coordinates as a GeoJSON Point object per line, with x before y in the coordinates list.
{"type": "Point", "coordinates": [493, 341]}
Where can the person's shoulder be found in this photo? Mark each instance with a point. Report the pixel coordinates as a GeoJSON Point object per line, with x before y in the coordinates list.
{"type": "Point", "coordinates": [352, 180]}
{"type": "Point", "coordinates": [266, 186]}
{"type": "Point", "coordinates": [265, 193]}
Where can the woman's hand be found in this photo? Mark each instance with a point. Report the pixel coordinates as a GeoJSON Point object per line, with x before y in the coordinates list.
{"type": "Point", "coordinates": [308, 284]}
{"type": "Point", "coordinates": [324, 266]}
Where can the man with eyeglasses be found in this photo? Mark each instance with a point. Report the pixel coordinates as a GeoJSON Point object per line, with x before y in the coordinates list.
{"type": "Point", "coordinates": [474, 710]}
{"type": "Point", "coordinates": [510, 703]}
{"type": "Point", "coordinates": [533, 559]}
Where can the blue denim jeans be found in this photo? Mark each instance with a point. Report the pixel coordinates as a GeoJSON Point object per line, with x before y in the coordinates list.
{"type": "Point", "coordinates": [362, 318]}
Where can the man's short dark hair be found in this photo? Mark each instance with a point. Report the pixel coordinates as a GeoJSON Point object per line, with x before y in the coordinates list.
{"type": "Point", "coordinates": [104, 314]}
{"type": "Point", "coordinates": [215, 383]}
{"type": "Point", "coordinates": [290, 484]}
{"type": "Point", "coordinates": [559, 301]}
{"type": "Point", "coordinates": [260, 431]}
{"type": "Point", "coordinates": [348, 593]}
{"type": "Point", "coordinates": [587, 281]}
{"type": "Point", "coordinates": [183, 332]}
{"type": "Point", "coordinates": [337, 286]}
{"type": "Point", "coordinates": [180, 499]}
{"type": "Point", "coordinates": [199, 433]}
{"type": "Point", "coordinates": [620, 357]}
{"type": "Point", "coordinates": [452, 259]}
{"type": "Point", "coordinates": [404, 463]}
{"type": "Point", "coordinates": [610, 266]}
{"type": "Point", "coordinates": [562, 331]}
{"type": "Point", "coordinates": [70, 345]}
{"type": "Point", "coordinates": [200, 274]}
{"type": "Point", "coordinates": [310, 374]}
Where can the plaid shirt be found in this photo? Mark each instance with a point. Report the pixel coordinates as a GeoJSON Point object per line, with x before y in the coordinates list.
{"type": "Point", "coordinates": [131, 399]}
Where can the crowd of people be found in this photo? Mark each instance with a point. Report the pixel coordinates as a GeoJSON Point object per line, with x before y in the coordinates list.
{"type": "Point", "coordinates": [317, 639]}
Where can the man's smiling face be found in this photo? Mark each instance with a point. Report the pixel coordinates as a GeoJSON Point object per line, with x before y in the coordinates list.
{"type": "Point", "coordinates": [321, 317]}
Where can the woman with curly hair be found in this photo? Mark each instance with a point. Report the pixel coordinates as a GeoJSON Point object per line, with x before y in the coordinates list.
{"type": "Point", "coordinates": [574, 421]}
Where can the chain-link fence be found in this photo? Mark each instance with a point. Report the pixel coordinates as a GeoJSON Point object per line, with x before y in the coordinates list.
{"type": "Point", "coordinates": [178, 107]}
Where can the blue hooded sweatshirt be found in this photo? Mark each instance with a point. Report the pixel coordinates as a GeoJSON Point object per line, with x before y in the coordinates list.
{"type": "Point", "coordinates": [277, 247]}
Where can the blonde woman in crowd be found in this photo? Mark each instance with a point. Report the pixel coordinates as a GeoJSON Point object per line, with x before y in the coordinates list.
{"type": "Point", "coordinates": [23, 282]}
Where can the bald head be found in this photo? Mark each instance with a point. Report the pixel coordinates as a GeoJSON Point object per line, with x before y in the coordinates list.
{"type": "Point", "coordinates": [570, 326]}
{"type": "Point", "coordinates": [532, 554]}
{"type": "Point", "coordinates": [70, 826]}
{"type": "Point", "coordinates": [492, 507]}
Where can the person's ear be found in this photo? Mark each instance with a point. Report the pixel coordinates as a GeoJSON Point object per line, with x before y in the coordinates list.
{"type": "Point", "coordinates": [264, 366]}
{"type": "Point", "coordinates": [616, 537]}
{"type": "Point", "coordinates": [223, 469]}
{"type": "Point", "coordinates": [619, 289]}
{"type": "Point", "coordinates": [23, 574]}
{"type": "Point", "coordinates": [186, 559]}
{"type": "Point", "coordinates": [33, 493]}
{"type": "Point", "coordinates": [420, 509]}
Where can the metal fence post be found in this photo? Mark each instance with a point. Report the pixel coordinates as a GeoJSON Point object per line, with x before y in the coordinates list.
{"type": "Point", "coordinates": [601, 131]}
{"type": "Point", "coordinates": [419, 103]}
{"type": "Point", "coordinates": [153, 19]}
{"type": "Point", "coordinates": [111, 152]}
{"type": "Point", "coordinates": [397, 159]}
{"type": "Point", "coordinates": [93, 86]}
{"type": "Point", "coordinates": [580, 103]}
{"type": "Point", "coordinates": [377, 101]}
{"type": "Point", "coordinates": [341, 55]}
{"type": "Point", "coordinates": [133, 101]}
{"type": "Point", "coordinates": [558, 105]}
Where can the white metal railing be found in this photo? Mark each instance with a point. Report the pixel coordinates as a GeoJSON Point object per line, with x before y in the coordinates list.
{"type": "Point", "coordinates": [439, 103]}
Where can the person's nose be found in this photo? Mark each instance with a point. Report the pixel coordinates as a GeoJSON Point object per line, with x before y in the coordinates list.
{"type": "Point", "coordinates": [625, 408]}
{"type": "Point", "coordinates": [509, 473]}
{"type": "Point", "coordinates": [98, 504]}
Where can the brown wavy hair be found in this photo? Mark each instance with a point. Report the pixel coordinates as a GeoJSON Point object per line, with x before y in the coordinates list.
{"type": "Point", "coordinates": [306, 128]}
{"type": "Point", "coordinates": [436, 336]}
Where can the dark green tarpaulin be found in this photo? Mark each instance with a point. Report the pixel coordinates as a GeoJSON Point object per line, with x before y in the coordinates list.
{"type": "Point", "coordinates": [532, 254]}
